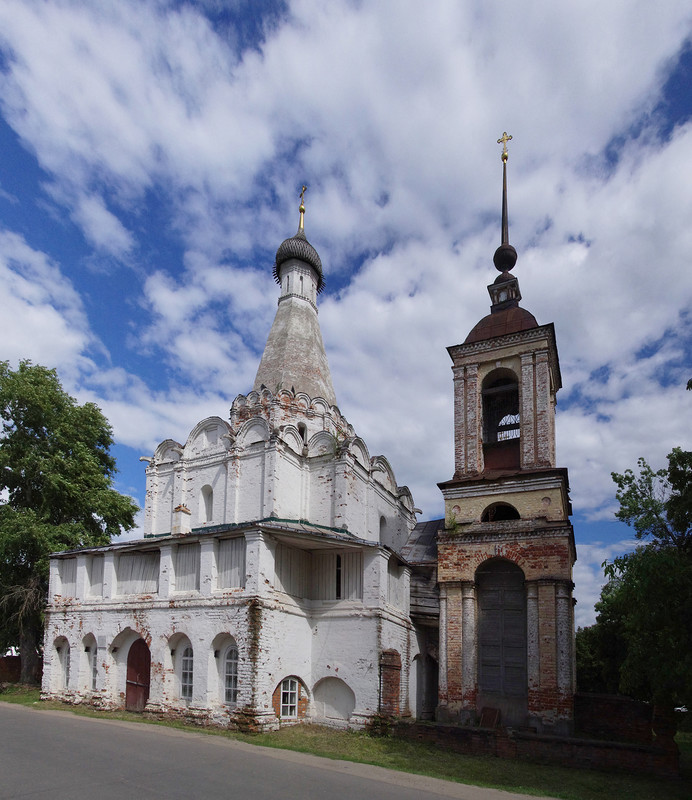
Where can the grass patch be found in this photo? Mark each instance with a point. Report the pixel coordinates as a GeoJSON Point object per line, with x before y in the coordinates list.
{"type": "Point", "coordinates": [425, 759]}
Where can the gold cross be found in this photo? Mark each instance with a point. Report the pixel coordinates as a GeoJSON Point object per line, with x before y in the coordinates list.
{"type": "Point", "coordinates": [305, 188]}
{"type": "Point", "coordinates": [503, 141]}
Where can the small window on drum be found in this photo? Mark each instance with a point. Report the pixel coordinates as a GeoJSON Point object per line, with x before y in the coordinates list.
{"type": "Point", "coordinates": [499, 512]}
{"type": "Point", "coordinates": [501, 411]}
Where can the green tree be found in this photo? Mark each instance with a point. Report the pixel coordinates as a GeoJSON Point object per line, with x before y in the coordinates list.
{"type": "Point", "coordinates": [648, 603]}
{"type": "Point", "coordinates": [644, 622]}
{"type": "Point", "coordinates": [658, 505]}
{"type": "Point", "coordinates": [56, 493]}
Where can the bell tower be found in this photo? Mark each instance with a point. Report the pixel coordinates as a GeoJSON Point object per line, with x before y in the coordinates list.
{"type": "Point", "coordinates": [506, 553]}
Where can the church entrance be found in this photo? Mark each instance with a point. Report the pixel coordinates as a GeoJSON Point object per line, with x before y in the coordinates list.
{"type": "Point", "coordinates": [502, 681]}
{"type": "Point", "coordinates": [138, 676]}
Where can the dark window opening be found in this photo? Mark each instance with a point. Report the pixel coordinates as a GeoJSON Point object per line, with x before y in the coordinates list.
{"type": "Point", "coordinates": [499, 512]}
{"type": "Point", "coordinates": [501, 411]}
{"type": "Point", "coordinates": [338, 577]}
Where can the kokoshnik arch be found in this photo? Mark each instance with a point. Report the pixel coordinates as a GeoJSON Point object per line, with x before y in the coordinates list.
{"type": "Point", "coordinates": [282, 575]}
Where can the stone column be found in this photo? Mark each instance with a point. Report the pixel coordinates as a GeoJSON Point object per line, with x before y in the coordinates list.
{"type": "Point", "coordinates": [544, 435]}
{"type": "Point", "coordinates": [565, 645]}
{"type": "Point", "coordinates": [527, 398]}
{"type": "Point", "coordinates": [81, 583]}
{"type": "Point", "coordinates": [208, 572]}
{"type": "Point", "coordinates": [532, 646]}
{"type": "Point", "coordinates": [109, 577]}
{"type": "Point", "coordinates": [469, 651]}
{"type": "Point", "coordinates": [473, 432]}
{"type": "Point", "coordinates": [442, 679]}
{"type": "Point", "coordinates": [165, 571]}
{"type": "Point", "coordinates": [460, 436]}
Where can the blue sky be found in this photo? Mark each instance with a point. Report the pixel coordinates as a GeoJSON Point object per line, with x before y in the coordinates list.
{"type": "Point", "coordinates": [151, 156]}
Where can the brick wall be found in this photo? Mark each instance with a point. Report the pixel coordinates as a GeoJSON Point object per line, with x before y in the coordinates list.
{"type": "Point", "coordinates": [612, 717]}
{"type": "Point", "coordinates": [565, 751]}
{"type": "Point", "coordinates": [390, 671]}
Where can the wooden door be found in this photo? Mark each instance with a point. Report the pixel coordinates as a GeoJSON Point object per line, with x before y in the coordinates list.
{"type": "Point", "coordinates": [502, 680]}
{"type": "Point", "coordinates": [138, 672]}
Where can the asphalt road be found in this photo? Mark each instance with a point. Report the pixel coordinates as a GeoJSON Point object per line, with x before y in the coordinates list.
{"type": "Point", "coordinates": [61, 756]}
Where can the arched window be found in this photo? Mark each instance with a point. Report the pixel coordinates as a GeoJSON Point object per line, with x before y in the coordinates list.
{"type": "Point", "coordinates": [207, 504]}
{"type": "Point", "coordinates": [289, 698]}
{"type": "Point", "coordinates": [303, 431]}
{"type": "Point", "coordinates": [230, 675]}
{"type": "Point", "coordinates": [501, 422]}
{"type": "Point", "coordinates": [186, 673]}
{"type": "Point", "coordinates": [497, 512]}
{"type": "Point", "coordinates": [501, 410]}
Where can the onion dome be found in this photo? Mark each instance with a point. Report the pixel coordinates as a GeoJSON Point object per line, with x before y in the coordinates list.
{"type": "Point", "coordinates": [300, 248]}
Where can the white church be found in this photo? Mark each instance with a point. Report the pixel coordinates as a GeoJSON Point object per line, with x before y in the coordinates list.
{"type": "Point", "coordinates": [282, 576]}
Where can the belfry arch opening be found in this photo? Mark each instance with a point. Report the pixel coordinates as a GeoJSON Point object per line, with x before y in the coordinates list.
{"type": "Point", "coordinates": [499, 512]}
{"type": "Point", "coordinates": [501, 421]}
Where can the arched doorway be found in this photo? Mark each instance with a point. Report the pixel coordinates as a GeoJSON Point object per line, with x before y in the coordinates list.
{"type": "Point", "coordinates": [502, 681]}
{"type": "Point", "coordinates": [138, 676]}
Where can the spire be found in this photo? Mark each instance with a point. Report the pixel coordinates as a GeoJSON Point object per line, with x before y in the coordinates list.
{"type": "Point", "coordinates": [505, 314]}
{"type": "Point", "coordinates": [505, 256]}
{"type": "Point", "coordinates": [294, 357]}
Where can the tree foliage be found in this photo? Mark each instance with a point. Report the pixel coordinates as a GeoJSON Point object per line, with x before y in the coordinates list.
{"type": "Point", "coordinates": [56, 490]}
{"type": "Point", "coordinates": [642, 641]}
{"type": "Point", "coordinates": [648, 601]}
{"type": "Point", "coordinates": [658, 504]}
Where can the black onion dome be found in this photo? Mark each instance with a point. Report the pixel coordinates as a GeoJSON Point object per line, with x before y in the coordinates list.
{"type": "Point", "coordinates": [299, 247]}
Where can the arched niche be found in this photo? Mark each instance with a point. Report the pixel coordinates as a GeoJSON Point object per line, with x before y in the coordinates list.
{"type": "Point", "coordinates": [334, 700]}
{"type": "Point", "coordinates": [383, 473]}
{"type": "Point", "coordinates": [88, 666]}
{"type": "Point", "coordinates": [255, 430]}
{"type": "Point", "coordinates": [62, 654]}
{"type": "Point", "coordinates": [292, 436]}
{"type": "Point", "coordinates": [226, 658]}
{"type": "Point", "coordinates": [359, 451]}
{"type": "Point", "coordinates": [207, 437]}
{"type": "Point", "coordinates": [169, 451]}
{"type": "Point", "coordinates": [322, 443]}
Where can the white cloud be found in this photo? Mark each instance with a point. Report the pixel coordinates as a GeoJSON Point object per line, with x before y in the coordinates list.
{"type": "Point", "coordinates": [43, 318]}
{"type": "Point", "coordinates": [391, 117]}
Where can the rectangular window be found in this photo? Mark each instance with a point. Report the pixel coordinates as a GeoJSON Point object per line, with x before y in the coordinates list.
{"type": "Point", "coordinates": [95, 576]}
{"type": "Point", "coordinates": [68, 577]}
{"type": "Point", "coordinates": [231, 676]}
{"type": "Point", "coordinates": [289, 698]}
{"type": "Point", "coordinates": [338, 576]}
{"type": "Point", "coordinates": [292, 571]}
{"type": "Point", "coordinates": [138, 573]}
{"type": "Point", "coordinates": [94, 666]}
{"type": "Point", "coordinates": [187, 567]}
{"type": "Point", "coordinates": [231, 563]}
{"type": "Point", "coordinates": [186, 674]}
